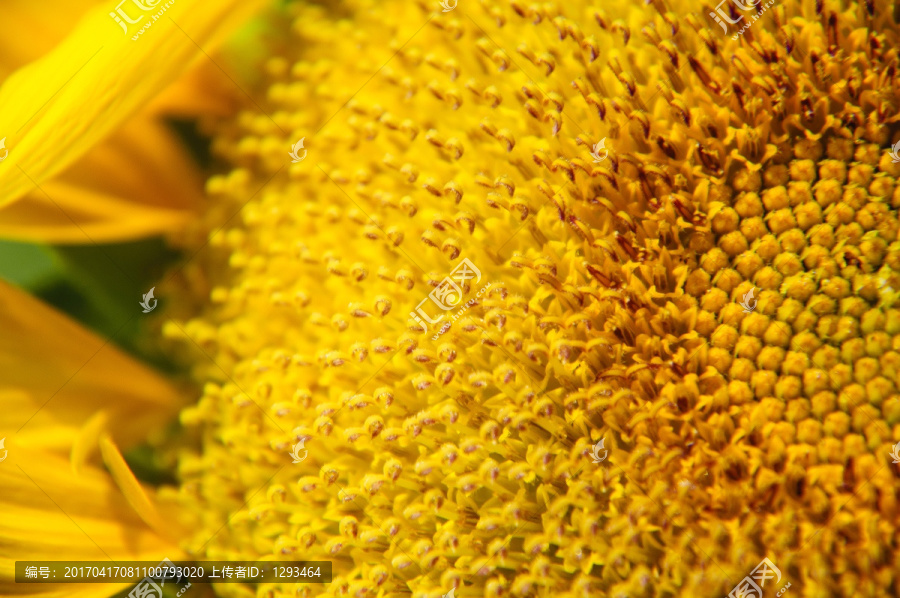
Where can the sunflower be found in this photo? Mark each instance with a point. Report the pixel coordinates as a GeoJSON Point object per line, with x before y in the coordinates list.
{"type": "Point", "coordinates": [87, 159]}
{"type": "Point", "coordinates": [90, 159]}
{"type": "Point", "coordinates": [670, 259]}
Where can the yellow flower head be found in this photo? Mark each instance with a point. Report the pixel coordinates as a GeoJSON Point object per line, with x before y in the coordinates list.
{"type": "Point", "coordinates": [551, 300]}
{"type": "Point", "coordinates": [460, 457]}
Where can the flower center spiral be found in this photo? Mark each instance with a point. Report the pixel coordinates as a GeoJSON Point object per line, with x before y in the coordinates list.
{"type": "Point", "coordinates": [614, 310]}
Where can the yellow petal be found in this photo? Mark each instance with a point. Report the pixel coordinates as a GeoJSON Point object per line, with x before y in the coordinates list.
{"type": "Point", "coordinates": [139, 182]}
{"type": "Point", "coordinates": [60, 106]}
{"type": "Point", "coordinates": [48, 513]}
{"type": "Point", "coordinates": [47, 23]}
{"type": "Point", "coordinates": [128, 484]}
{"type": "Point", "coordinates": [88, 439]}
{"type": "Point", "coordinates": [56, 375]}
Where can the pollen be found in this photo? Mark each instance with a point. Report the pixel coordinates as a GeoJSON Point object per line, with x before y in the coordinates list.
{"type": "Point", "coordinates": [607, 306]}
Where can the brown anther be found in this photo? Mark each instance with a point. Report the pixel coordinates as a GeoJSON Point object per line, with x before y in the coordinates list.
{"type": "Point", "coordinates": [507, 184]}
{"type": "Point", "coordinates": [493, 95]}
{"type": "Point", "coordinates": [652, 35]}
{"type": "Point", "coordinates": [833, 33]}
{"type": "Point", "coordinates": [453, 188]}
{"type": "Point", "coordinates": [628, 81]}
{"type": "Point", "coordinates": [590, 45]}
{"type": "Point", "coordinates": [595, 100]}
{"type": "Point", "coordinates": [601, 277]}
{"type": "Point", "coordinates": [431, 186]}
{"type": "Point", "coordinates": [581, 85]}
{"type": "Point", "coordinates": [548, 61]}
{"type": "Point", "coordinates": [682, 110]}
{"type": "Point", "coordinates": [710, 161]}
{"type": "Point", "coordinates": [682, 209]}
{"type": "Point", "coordinates": [738, 93]}
{"type": "Point", "coordinates": [532, 107]}
{"type": "Point", "coordinates": [557, 123]}
{"type": "Point", "coordinates": [506, 136]}
{"type": "Point", "coordinates": [488, 127]}
{"type": "Point", "coordinates": [626, 245]}
{"type": "Point", "coordinates": [704, 77]}
{"type": "Point", "coordinates": [555, 100]}
{"type": "Point", "coordinates": [642, 118]}
{"type": "Point", "coordinates": [666, 147]}
{"type": "Point", "coordinates": [620, 27]}
{"type": "Point", "coordinates": [565, 166]}
{"type": "Point", "coordinates": [454, 145]}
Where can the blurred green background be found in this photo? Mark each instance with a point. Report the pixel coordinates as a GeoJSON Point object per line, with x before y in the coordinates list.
{"type": "Point", "coordinates": [84, 282]}
{"type": "Point", "coordinates": [101, 287]}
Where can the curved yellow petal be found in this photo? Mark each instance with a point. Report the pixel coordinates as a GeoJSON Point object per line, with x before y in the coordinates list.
{"type": "Point", "coordinates": [128, 484]}
{"type": "Point", "coordinates": [139, 182]}
{"type": "Point", "coordinates": [46, 23]}
{"type": "Point", "coordinates": [56, 375]}
{"type": "Point", "coordinates": [55, 109]}
{"type": "Point", "coordinates": [49, 513]}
